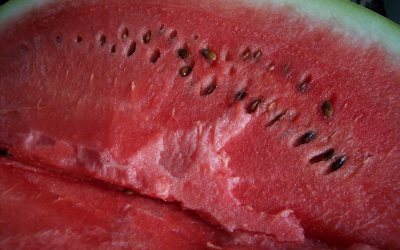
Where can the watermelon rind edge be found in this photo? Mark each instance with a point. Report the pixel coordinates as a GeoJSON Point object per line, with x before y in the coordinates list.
{"type": "Point", "coordinates": [343, 14]}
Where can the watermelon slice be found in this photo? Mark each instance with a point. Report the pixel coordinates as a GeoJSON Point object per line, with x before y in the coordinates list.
{"type": "Point", "coordinates": [263, 117]}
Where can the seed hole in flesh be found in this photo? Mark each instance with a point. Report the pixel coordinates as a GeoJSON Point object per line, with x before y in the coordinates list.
{"type": "Point", "coordinates": [173, 34]}
{"type": "Point", "coordinates": [124, 33]}
{"type": "Point", "coordinates": [113, 49]}
{"type": "Point", "coordinates": [185, 71]}
{"type": "Point", "coordinates": [128, 191]}
{"type": "Point", "coordinates": [156, 54]}
{"type": "Point", "coordinates": [102, 39]}
{"type": "Point", "coordinates": [338, 163]}
{"type": "Point", "coordinates": [246, 53]}
{"type": "Point", "coordinates": [286, 67]}
{"type": "Point", "coordinates": [209, 54]}
{"type": "Point", "coordinates": [147, 37]}
{"type": "Point", "coordinates": [328, 155]}
{"type": "Point", "coordinates": [324, 156]}
{"type": "Point", "coordinates": [183, 53]}
{"type": "Point", "coordinates": [79, 39]}
{"type": "Point", "coordinates": [304, 85]}
{"type": "Point", "coordinates": [4, 153]}
{"type": "Point", "coordinates": [161, 28]}
{"type": "Point", "coordinates": [228, 56]}
{"type": "Point", "coordinates": [257, 54]}
{"type": "Point", "coordinates": [277, 118]}
{"type": "Point", "coordinates": [58, 39]}
{"type": "Point", "coordinates": [327, 109]}
{"type": "Point", "coordinates": [240, 95]}
{"type": "Point", "coordinates": [24, 48]}
{"type": "Point", "coordinates": [195, 37]}
{"type": "Point", "coordinates": [253, 106]}
{"type": "Point", "coordinates": [306, 138]}
{"type": "Point", "coordinates": [131, 48]}
{"type": "Point", "coordinates": [232, 70]}
{"type": "Point", "coordinates": [209, 90]}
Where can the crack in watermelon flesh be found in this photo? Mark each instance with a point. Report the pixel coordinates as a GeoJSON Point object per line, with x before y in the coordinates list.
{"type": "Point", "coordinates": [97, 89]}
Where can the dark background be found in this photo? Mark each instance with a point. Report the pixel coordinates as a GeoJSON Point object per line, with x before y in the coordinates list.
{"type": "Point", "coordinates": [387, 8]}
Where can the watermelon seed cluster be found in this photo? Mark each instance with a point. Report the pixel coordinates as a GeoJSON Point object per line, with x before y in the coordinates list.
{"type": "Point", "coordinates": [183, 53]}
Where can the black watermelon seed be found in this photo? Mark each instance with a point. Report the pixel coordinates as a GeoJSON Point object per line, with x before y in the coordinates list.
{"type": "Point", "coordinates": [338, 163]}
{"type": "Point", "coordinates": [327, 109]}
{"type": "Point", "coordinates": [209, 54]}
{"type": "Point", "coordinates": [185, 71]}
{"type": "Point", "coordinates": [4, 153]}
{"type": "Point", "coordinates": [183, 53]}
{"type": "Point", "coordinates": [308, 137]}
{"type": "Point", "coordinates": [328, 155]}
{"type": "Point", "coordinates": [254, 105]}
{"type": "Point", "coordinates": [240, 95]}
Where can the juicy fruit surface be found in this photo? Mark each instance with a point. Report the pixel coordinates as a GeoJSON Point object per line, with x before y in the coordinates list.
{"type": "Point", "coordinates": [98, 89]}
{"type": "Point", "coordinates": [75, 213]}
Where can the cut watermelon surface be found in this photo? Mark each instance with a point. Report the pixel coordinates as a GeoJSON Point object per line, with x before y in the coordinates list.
{"type": "Point", "coordinates": [265, 120]}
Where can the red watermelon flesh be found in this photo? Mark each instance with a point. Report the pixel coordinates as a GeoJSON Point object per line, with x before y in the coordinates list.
{"type": "Point", "coordinates": [72, 213]}
{"type": "Point", "coordinates": [40, 211]}
{"type": "Point", "coordinates": [247, 141]}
